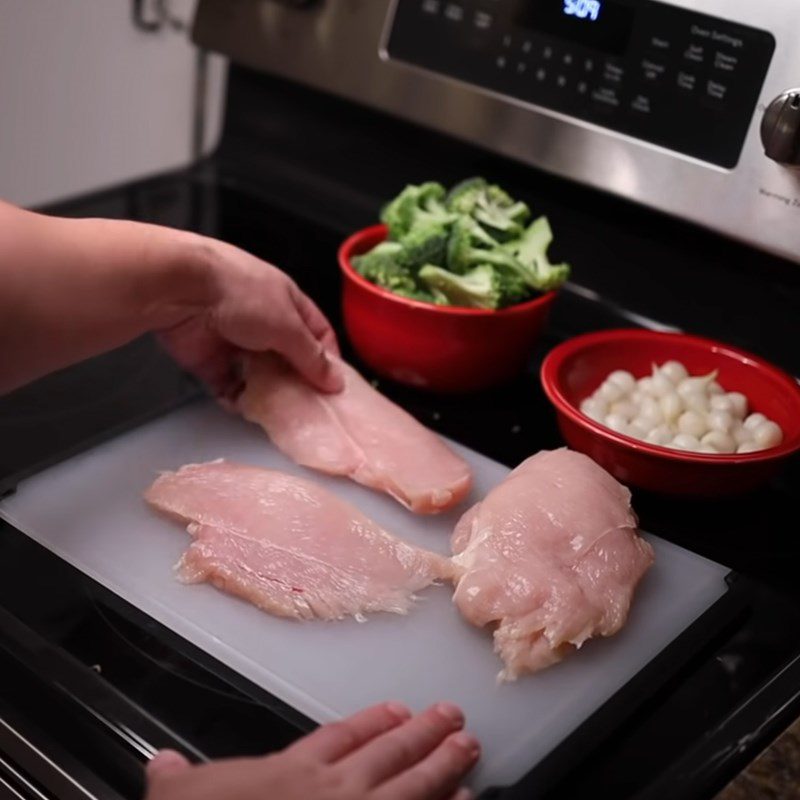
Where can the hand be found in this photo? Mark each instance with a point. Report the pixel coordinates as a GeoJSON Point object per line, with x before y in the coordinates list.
{"type": "Point", "coordinates": [256, 308]}
{"type": "Point", "coordinates": [382, 753]}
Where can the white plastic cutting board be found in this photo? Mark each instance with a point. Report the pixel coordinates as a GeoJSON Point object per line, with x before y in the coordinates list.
{"type": "Point", "coordinates": [89, 511]}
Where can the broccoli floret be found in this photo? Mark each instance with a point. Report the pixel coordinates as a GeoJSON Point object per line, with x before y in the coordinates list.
{"type": "Point", "coordinates": [491, 206]}
{"type": "Point", "coordinates": [416, 206]}
{"type": "Point", "coordinates": [530, 252]}
{"type": "Point", "coordinates": [513, 288]}
{"type": "Point", "coordinates": [380, 265]}
{"type": "Point", "coordinates": [500, 214]}
{"type": "Point", "coordinates": [424, 295]}
{"type": "Point", "coordinates": [478, 288]}
{"type": "Point", "coordinates": [423, 244]}
{"type": "Point", "coordinates": [463, 197]}
{"type": "Point", "coordinates": [469, 245]}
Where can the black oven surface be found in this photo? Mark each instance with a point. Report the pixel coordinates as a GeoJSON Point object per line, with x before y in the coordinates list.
{"type": "Point", "coordinates": [87, 670]}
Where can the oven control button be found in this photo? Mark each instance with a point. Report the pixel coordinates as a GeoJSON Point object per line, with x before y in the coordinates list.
{"type": "Point", "coordinates": [454, 12]}
{"type": "Point", "coordinates": [695, 53]}
{"type": "Point", "coordinates": [641, 103]}
{"type": "Point", "coordinates": [660, 44]}
{"type": "Point", "coordinates": [613, 72]}
{"type": "Point", "coordinates": [725, 62]}
{"type": "Point", "coordinates": [606, 96]}
{"type": "Point", "coordinates": [716, 90]}
{"type": "Point", "coordinates": [687, 81]}
{"type": "Point", "coordinates": [653, 70]}
{"type": "Point", "coordinates": [780, 128]}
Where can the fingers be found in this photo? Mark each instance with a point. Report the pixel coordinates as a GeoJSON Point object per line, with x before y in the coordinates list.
{"type": "Point", "coordinates": [403, 747]}
{"type": "Point", "coordinates": [461, 794]}
{"type": "Point", "coordinates": [166, 762]}
{"type": "Point", "coordinates": [331, 742]}
{"type": "Point", "coordinates": [438, 774]}
{"type": "Point", "coordinates": [315, 320]}
{"type": "Point", "coordinates": [309, 357]}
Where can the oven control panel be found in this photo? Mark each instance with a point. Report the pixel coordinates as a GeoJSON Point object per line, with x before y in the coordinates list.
{"type": "Point", "coordinates": [673, 77]}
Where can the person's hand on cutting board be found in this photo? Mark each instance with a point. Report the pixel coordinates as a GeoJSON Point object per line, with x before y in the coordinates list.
{"type": "Point", "coordinates": [382, 753]}
{"type": "Point", "coordinates": [73, 288]}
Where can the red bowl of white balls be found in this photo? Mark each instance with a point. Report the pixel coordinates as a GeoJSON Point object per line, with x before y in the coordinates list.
{"type": "Point", "coordinates": [674, 413]}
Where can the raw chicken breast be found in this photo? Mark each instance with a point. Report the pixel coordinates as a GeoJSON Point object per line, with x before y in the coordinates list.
{"type": "Point", "coordinates": [358, 433]}
{"type": "Point", "coordinates": [289, 546]}
{"type": "Point", "coordinates": [551, 555]}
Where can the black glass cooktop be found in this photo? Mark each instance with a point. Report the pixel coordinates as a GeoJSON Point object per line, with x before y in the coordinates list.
{"type": "Point", "coordinates": [107, 684]}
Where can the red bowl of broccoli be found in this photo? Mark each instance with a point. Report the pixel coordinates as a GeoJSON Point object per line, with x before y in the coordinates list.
{"type": "Point", "coordinates": [453, 290]}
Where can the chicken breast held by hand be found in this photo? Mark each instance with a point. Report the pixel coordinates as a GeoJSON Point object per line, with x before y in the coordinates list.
{"type": "Point", "coordinates": [551, 556]}
{"type": "Point", "coordinates": [357, 432]}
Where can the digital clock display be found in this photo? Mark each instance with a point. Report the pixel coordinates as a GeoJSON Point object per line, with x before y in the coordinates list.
{"type": "Point", "coordinates": [583, 9]}
{"type": "Point", "coordinates": [600, 24]}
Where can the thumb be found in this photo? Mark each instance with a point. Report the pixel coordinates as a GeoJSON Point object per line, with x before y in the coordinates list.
{"type": "Point", "coordinates": [165, 763]}
{"type": "Point", "coordinates": [313, 361]}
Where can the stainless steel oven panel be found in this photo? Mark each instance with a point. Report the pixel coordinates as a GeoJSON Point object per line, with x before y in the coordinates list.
{"type": "Point", "coordinates": [336, 46]}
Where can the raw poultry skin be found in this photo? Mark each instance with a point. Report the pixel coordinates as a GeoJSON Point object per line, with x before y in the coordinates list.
{"type": "Point", "coordinates": [552, 557]}
{"type": "Point", "coordinates": [358, 433]}
{"type": "Point", "coordinates": [289, 546]}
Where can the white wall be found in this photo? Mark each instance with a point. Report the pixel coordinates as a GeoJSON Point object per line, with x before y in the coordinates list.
{"type": "Point", "coordinates": [88, 101]}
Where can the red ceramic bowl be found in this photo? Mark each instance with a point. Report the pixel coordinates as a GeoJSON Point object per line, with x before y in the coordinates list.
{"type": "Point", "coordinates": [574, 370]}
{"type": "Point", "coordinates": [442, 348]}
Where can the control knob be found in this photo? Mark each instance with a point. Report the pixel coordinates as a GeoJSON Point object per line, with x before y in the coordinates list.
{"type": "Point", "coordinates": [780, 128]}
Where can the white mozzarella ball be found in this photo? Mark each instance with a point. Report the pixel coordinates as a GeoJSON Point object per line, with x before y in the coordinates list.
{"type": "Point", "coordinates": [661, 384]}
{"type": "Point", "coordinates": [646, 386]}
{"type": "Point", "coordinates": [768, 434]}
{"type": "Point", "coordinates": [671, 406]}
{"type": "Point", "coordinates": [639, 429]}
{"type": "Point", "coordinates": [714, 388]}
{"type": "Point", "coordinates": [651, 409]}
{"type": "Point", "coordinates": [617, 423]}
{"type": "Point", "coordinates": [721, 421]}
{"type": "Point", "coordinates": [623, 379]}
{"type": "Point", "coordinates": [738, 404]}
{"type": "Point", "coordinates": [753, 421]}
{"type": "Point", "coordinates": [675, 371]}
{"type": "Point", "coordinates": [659, 435]}
{"type": "Point", "coordinates": [637, 396]}
{"type": "Point", "coordinates": [748, 447]}
{"type": "Point", "coordinates": [707, 448]}
{"type": "Point", "coordinates": [594, 409]}
{"type": "Point", "coordinates": [624, 408]}
{"type": "Point", "coordinates": [692, 423]}
{"type": "Point", "coordinates": [696, 401]}
{"type": "Point", "coordinates": [611, 392]}
{"type": "Point", "coordinates": [722, 442]}
{"type": "Point", "coordinates": [689, 385]}
{"type": "Point", "coordinates": [685, 441]}
{"type": "Point", "coordinates": [721, 402]}
{"type": "Point", "coordinates": [741, 434]}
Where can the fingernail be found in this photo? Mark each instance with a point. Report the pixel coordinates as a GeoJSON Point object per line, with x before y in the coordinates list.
{"type": "Point", "coordinates": [166, 762]}
{"type": "Point", "coordinates": [463, 794]}
{"type": "Point", "coordinates": [451, 713]}
{"type": "Point", "coordinates": [467, 742]}
{"type": "Point", "coordinates": [398, 710]}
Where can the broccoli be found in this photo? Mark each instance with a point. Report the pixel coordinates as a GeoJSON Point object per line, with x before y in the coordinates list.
{"type": "Point", "coordinates": [489, 205]}
{"type": "Point", "coordinates": [463, 197]}
{"type": "Point", "coordinates": [416, 207]}
{"type": "Point", "coordinates": [380, 265]}
{"type": "Point", "coordinates": [530, 253]}
{"type": "Point", "coordinates": [423, 244]}
{"type": "Point", "coordinates": [513, 288]}
{"type": "Point", "coordinates": [478, 288]}
{"type": "Point", "coordinates": [425, 296]}
{"type": "Point", "coordinates": [469, 245]}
